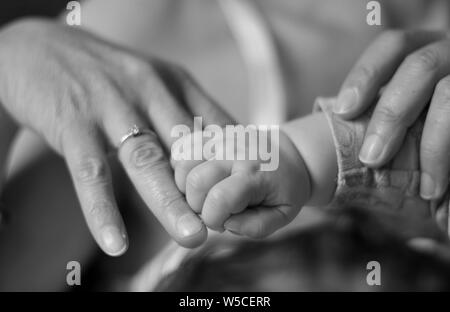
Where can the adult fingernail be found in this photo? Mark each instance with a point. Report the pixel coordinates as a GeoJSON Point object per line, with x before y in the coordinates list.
{"type": "Point", "coordinates": [371, 149]}
{"type": "Point", "coordinates": [427, 186]}
{"type": "Point", "coordinates": [233, 227]}
{"type": "Point", "coordinates": [115, 242]}
{"type": "Point", "coordinates": [189, 225]}
{"type": "Point", "coordinates": [346, 101]}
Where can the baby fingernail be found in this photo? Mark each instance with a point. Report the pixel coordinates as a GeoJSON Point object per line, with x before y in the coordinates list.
{"type": "Point", "coordinates": [189, 225]}
{"type": "Point", "coordinates": [233, 227]}
{"type": "Point", "coordinates": [371, 149]}
{"type": "Point", "coordinates": [114, 240]}
{"type": "Point", "coordinates": [346, 101]}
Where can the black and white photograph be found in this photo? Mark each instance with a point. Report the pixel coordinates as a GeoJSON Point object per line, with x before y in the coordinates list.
{"type": "Point", "coordinates": [224, 151]}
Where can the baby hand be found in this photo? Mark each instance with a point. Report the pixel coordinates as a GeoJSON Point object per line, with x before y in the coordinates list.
{"type": "Point", "coordinates": [241, 196]}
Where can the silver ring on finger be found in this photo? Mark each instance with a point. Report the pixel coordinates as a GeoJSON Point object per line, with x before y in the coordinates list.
{"type": "Point", "coordinates": [134, 132]}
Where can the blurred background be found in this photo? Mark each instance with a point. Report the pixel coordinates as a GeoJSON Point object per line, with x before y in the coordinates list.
{"type": "Point", "coordinates": [10, 10]}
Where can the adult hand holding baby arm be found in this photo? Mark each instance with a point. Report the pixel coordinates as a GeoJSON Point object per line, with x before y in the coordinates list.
{"type": "Point", "coordinates": [414, 68]}
{"type": "Point", "coordinates": [83, 95]}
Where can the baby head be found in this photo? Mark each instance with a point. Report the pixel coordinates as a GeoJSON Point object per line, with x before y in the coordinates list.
{"type": "Point", "coordinates": [332, 256]}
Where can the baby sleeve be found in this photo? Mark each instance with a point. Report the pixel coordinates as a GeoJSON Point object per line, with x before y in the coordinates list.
{"type": "Point", "coordinates": [390, 192]}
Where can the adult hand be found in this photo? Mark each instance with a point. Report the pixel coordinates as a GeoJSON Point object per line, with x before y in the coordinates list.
{"type": "Point", "coordinates": [83, 95]}
{"type": "Point", "coordinates": [414, 68]}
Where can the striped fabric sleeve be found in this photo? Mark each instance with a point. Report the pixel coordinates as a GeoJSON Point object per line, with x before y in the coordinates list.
{"type": "Point", "coordinates": [391, 192]}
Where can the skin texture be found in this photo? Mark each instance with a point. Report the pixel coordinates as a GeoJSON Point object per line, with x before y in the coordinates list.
{"type": "Point", "coordinates": [235, 195]}
{"type": "Point", "coordinates": [311, 135]}
{"type": "Point", "coordinates": [82, 95]}
{"type": "Point", "coordinates": [413, 67]}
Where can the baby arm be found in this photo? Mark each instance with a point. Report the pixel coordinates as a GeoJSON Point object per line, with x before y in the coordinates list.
{"type": "Point", "coordinates": [312, 137]}
{"type": "Point", "coordinates": [236, 195]}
